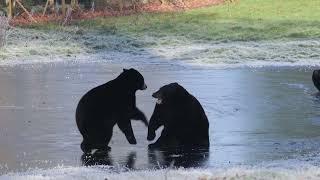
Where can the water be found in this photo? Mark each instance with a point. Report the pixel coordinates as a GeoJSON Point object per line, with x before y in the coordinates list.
{"type": "Point", "coordinates": [259, 117]}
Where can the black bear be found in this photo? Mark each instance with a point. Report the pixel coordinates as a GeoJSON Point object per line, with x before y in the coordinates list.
{"type": "Point", "coordinates": [106, 105]}
{"type": "Point", "coordinates": [184, 121]}
{"type": "Point", "coordinates": [316, 79]}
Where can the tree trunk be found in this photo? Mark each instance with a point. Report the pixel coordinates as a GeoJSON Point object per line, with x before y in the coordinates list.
{"type": "Point", "coordinates": [10, 9]}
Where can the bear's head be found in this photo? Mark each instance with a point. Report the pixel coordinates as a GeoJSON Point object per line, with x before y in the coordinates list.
{"type": "Point", "coordinates": [167, 96]}
{"type": "Point", "coordinates": [169, 93]}
{"type": "Point", "coordinates": [134, 79]}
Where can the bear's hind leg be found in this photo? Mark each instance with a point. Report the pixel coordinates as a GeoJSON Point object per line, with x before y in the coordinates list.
{"type": "Point", "coordinates": [107, 137]}
{"type": "Point", "coordinates": [99, 141]}
{"type": "Point", "coordinates": [102, 141]}
{"type": "Point", "coordinates": [86, 147]}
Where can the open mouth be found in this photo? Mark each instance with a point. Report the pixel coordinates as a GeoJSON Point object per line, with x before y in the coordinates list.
{"type": "Point", "coordinates": [159, 101]}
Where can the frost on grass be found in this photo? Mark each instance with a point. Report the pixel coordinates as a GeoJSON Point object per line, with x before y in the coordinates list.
{"type": "Point", "coordinates": [29, 43]}
{"type": "Point", "coordinates": [72, 42]}
{"type": "Point", "coordinates": [64, 42]}
{"type": "Point", "coordinates": [243, 53]}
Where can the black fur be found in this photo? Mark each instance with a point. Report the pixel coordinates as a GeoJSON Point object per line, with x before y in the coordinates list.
{"type": "Point", "coordinates": [184, 120]}
{"type": "Point", "coordinates": [106, 105]}
{"type": "Point", "coordinates": [316, 79]}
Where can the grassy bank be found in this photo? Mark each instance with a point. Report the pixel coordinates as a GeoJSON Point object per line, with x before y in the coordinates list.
{"type": "Point", "coordinates": [242, 20]}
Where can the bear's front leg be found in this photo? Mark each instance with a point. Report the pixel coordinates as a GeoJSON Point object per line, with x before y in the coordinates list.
{"type": "Point", "coordinates": [126, 128]}
{"type": "Point", "coordinates": [163, 140]}
{"type": "Point", "coordinates": [139, 115]}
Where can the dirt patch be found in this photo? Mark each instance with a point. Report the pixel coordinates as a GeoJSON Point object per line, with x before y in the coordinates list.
{"type": "Point", "coordinates": [177, 5]}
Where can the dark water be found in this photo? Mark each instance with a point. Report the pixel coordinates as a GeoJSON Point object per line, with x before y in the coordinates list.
{"type": "Point", "coordinates": [256, 116]}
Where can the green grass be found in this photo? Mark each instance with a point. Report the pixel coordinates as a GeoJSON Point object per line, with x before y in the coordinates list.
{"type": "Point", "coordinates": [243, 20]}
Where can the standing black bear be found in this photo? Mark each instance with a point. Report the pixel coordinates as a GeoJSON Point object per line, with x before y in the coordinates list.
{"type": "Point", "coordinates": [184, 120]}
{"type": "Point", "coordinates": [316, 79]}
{"type": "Point", "coordinates": [106, 105]}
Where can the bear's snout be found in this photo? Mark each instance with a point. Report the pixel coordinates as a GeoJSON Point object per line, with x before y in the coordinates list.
{"type": "Point", "coordinates": [156, 95]}
{"type": "Point", "coordinates": [144, 86]}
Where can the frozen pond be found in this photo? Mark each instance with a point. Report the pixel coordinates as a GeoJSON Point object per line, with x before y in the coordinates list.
{"type": "Point", "coordinates": [266, 117]}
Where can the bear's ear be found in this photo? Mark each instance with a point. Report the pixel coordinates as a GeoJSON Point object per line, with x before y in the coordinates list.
{"type": "Point", "coordinates": [124, 70]}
